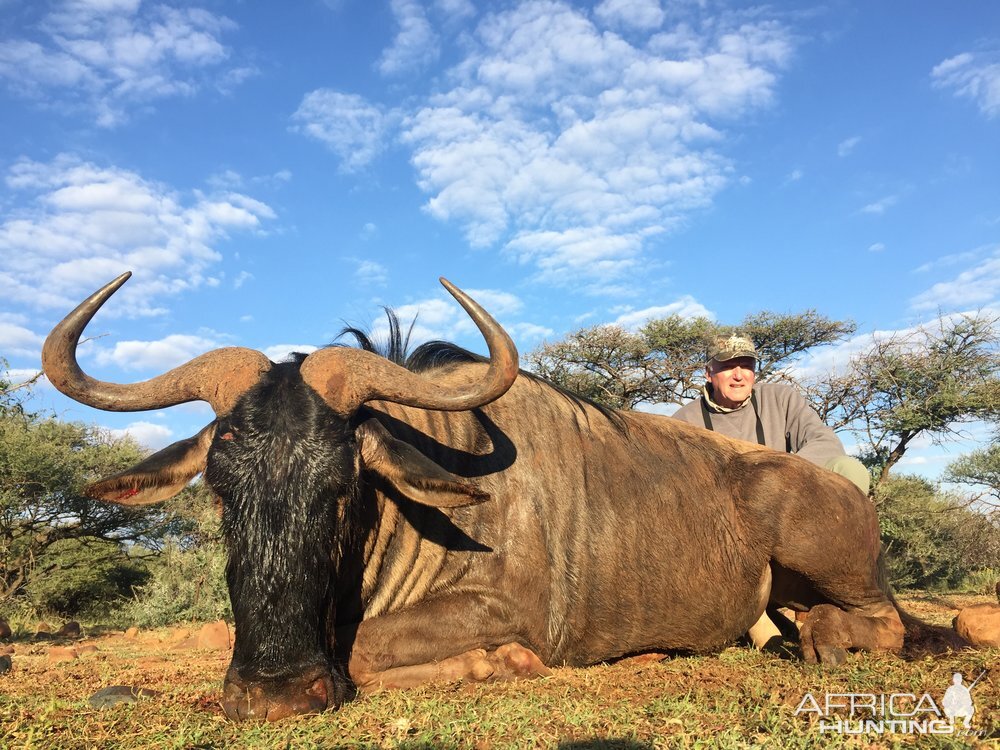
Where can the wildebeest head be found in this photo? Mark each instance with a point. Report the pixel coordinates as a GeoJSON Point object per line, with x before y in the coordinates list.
{"type": "Point", "coordinates": [284, 454]}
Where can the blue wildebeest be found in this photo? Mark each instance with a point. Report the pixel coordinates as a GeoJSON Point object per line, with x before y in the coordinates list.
{"type": "Point", "coordinates": [389, 525]}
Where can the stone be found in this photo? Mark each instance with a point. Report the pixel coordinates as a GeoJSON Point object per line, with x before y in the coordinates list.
{"type": "Point", "coordinates": [132, 633]}
{"type": "Point", "coordinates": [5, 631]}
{"type": "Point", "coordinates": [215, 635]}
{"type": "Point", "coordinates": [112, 696]}
{"type": "Point", "coordinates": [979, 624]}
{"type": "Point", "coordinates": [87, 648]}
{"type": "Point", "coordinates": [5, 664]}
{"type": "Point", "coordinates": [7, 650]}
{"type": "Point", "coordinates": [62, 653]}
{"type": "Point", "coordinates": [70, 629]}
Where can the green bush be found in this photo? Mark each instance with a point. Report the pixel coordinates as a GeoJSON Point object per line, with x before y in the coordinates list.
{"type": "Point", "coordinates": [83, 576]}
{"type": "Point", "coordinates": [932, 540]}
{"type": "Point", "coordinates": [188, 578]}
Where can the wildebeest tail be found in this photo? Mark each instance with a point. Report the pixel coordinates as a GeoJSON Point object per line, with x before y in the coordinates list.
{"type": "Point", "coordinates": [919, 638]}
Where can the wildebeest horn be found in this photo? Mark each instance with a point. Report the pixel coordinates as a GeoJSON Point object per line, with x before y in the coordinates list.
{"type": "Point", "coordinates": [219, 377]}
{"type": "Point", "coordinates": [347, 378]}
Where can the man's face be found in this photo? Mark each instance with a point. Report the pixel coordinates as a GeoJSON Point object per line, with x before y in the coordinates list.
{"type": "Point", "coordinates": [732, 381]}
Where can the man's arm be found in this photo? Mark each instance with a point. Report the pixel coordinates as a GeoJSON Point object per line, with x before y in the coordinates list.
{"type": "Point", "coordinates": [810, 437]}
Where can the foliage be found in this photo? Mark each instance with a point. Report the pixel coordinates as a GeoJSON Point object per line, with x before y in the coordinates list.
{"type": "Point", "coordinates": [932, 540]}
{"type": "Point", "coordinates": [664, 362]}
{"type": "Point", "coordinates": [920, 383]}
{"type": "Point", "coordinates": [83, 577]}
{"type": "Point", "coordinates": [187, 580]}
{"type": "Point", "coordinates": [980, 469]}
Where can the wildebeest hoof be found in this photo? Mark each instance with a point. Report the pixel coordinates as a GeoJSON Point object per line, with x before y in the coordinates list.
{"type": "Point", "coordinates": [266, 701]}
{"type": "Point", "coordinates": [513, 661]}
{"type": "Point", "coordinates": [832, 656]}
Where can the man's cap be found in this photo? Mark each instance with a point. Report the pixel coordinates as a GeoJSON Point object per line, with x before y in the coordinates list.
{"type": "Point", "coordinates": [725, 348]}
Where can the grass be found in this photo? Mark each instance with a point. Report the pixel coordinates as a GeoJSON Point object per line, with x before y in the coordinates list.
{"type": "Point", "coordinates": [737, 699]}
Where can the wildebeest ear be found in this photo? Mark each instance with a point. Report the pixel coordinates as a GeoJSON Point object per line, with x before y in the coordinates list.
{"type": "Point", "coordinates": [411, 472]}
{"type": "Point", "coordinates": [159, 477]}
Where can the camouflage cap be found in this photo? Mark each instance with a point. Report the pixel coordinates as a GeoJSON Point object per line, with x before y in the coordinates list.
{"type": "Point", "coordinates": [725, 348]}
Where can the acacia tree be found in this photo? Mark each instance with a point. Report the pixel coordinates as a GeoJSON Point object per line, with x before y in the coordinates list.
{"type": "Point", "coordinates": [664, 361]}
{"type": "Point", "coordinates": [980, 469]}
{"type": "Point", "coordinates": [44, 463]}
{"type": "Point", "coordinates": [925, 382]}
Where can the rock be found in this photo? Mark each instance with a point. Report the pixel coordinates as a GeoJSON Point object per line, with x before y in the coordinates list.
{"type": "Point", "coordinates": [70, 630]}
{"type": "Point", "coordinates": [43, 627]}
{"type": "Point", "coordinates": [5, 664]}
{"type": "Point", "coordinates": [5, 631]}
{"type": "Point", "coordinates": [87, 648]}
{"type": "Point", "coordinates": [215, 635]}
{"type": "Point", "coordinates": [998, 591]}
{"type": "Point", "coordinates": [62, 653]}
{"type": "Point", "coordinates": [7, 650]}
{"type": "Point", "coordinates": [111, 696]}
{"type": "Point", "coordinates": [979, 624]}
{"type": "Point", "coordinates": [132, 633]}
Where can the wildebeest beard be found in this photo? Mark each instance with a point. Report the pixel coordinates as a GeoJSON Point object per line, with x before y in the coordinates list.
{"type": "Point", "coordinates": [285, 467]}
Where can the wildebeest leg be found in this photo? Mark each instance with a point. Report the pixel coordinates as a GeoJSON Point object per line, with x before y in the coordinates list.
{"type": "Point", "coordinates": [510, 661]}
{"type": "Point", "coordinates": [449, 638]}
{"type": "Point", "coordinates": [825, 555]}
{"type": "Point", "coordinates": [828, 632]}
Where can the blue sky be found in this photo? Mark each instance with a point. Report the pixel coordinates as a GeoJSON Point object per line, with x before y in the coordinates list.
{"type": "Point", "coordinates": [272, 171]}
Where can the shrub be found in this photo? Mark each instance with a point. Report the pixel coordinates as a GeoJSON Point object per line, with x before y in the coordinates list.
{"type": "Point", "coordinates": [83, 576]}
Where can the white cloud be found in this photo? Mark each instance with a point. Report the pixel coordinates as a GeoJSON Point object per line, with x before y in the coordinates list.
{"type": "Point", "coordinates": [975, 286]}
{"type": "Point", "coordinates": [280, 352]}
{"type": "Point", "coordinates": [972, 76]}
{"type": "Point", "coordinates": [635, 14]}
{"type": "Point", "coordinates": [371, 273]}
{"type": "Point", "coordinates": [148, 434]}
{"type": "Point", "coordinates": [846, 147]}
{"type": "Point", "coordinates": [454, 10]}
{"type": "Point", "coordinates": [879, 207]}
{"type": "Point", "coordinates": [350, 127]}
{"type": "Point", "coordinates": [18, 341]}
{"type": "Point", "coordinates": [686, 307]}
{"type": "Point", "coordinates": [156, 356]}
{"type": "Point", "coordinates": [569, 146]}
{"type": "Point", "coordinates": [79, 225]}
{"type": "Point", "coordinates": [415, 45]}
{"type": "Point", "coordinates": [109, 57]}
{"type": "Point", "coordinates": [876, 247]}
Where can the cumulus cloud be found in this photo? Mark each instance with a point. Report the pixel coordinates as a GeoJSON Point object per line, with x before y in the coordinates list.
{"type": "Point", "coordinates": [18, 341]}
{"type": "Point", "coordinates": [441, 318]}
{"type": "Point", "coordinates": [975, 286]}
{"type": "Point", "coordinates": [974, 76]}
{"type": "Point", "coordinates": [148, 434]}
{"type": "Point", "coordinates": [686, 307]}
{"type": "Point", "coordinates": [281, 352]}
{"type": "Point", "coordinates": [880, 206]}
{"type": "Point", "coordinates": [876, 247]}
{"type": "Point", "coordinates": [353, 129]}
{"type": "Point", "coordinates": [77, 225]}
{"type": "Point", "coordinates": [156, 356]}
{"type": "Point", "coordinates": [109, 57]}
{"type": "Point", "coordinates": [846, 147]}
{"type": "Point", "coordinates": [371, 273]}
{"type": "Point", "coordinates": [562, 142]}
{"type": "Point", "coordinates": [635, 14]}
{"type": "Point", "coordinates": [416, 43]}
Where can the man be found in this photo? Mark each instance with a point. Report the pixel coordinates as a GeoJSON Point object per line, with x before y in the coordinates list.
{"type": "Point", "coordinates": [770, 414]}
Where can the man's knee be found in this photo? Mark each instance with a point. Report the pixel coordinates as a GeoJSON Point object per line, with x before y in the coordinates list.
{"type": "Point", "coordinates": [853, 469]}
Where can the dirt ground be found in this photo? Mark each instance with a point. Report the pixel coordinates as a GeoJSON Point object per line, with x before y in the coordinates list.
{"type": "Point", "coordinates": [740, 697]}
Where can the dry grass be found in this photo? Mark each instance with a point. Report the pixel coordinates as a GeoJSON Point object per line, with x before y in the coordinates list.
{"type": "Point", "coordinates": [737, 699]}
